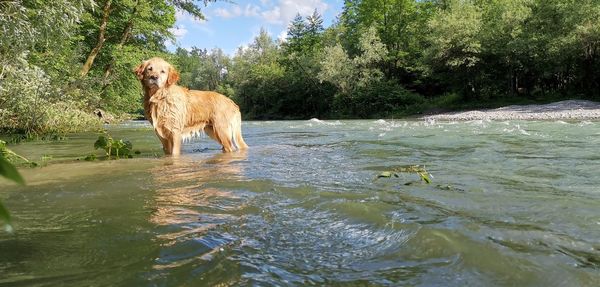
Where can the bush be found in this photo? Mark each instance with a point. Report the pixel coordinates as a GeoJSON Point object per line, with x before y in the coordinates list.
{"type": "Point", "coordinates": [33, 104]}
{"type": "Point", "coordinates": [378, 99]}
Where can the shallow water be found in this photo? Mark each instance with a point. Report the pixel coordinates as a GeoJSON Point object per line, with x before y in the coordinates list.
{"type": "Point", "coordinates": [511, 203]}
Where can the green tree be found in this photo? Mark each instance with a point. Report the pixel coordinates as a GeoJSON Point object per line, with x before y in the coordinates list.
{"type": "Point", "coordinates": [257, 77]}
{"type": "Point", "coordinates": [203, 70]}
{"type": "Point", "coordinates": [587, 42]}
{"type": "Point", "coordinates": [347, 73]}
{"type": "Point", "coordinates": [301, 53]}
{"type": "Point", "coordinates": [363, 89]}
{"type": "Point", "coordinates": [454, 45]}
{"type": "Point", "coordinates": [127, 14]}
{"type": "Point", "coordinates": [296, 31]}
{"type": "Point", "coordinates": [314, 30]}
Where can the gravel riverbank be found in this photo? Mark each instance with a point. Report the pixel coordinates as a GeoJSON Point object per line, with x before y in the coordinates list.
{"type": "Point", "coordinates": [564, 110]}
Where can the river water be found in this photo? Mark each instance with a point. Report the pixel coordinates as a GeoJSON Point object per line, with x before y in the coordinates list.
{"type": "Point", "coordinates": [510, 203]}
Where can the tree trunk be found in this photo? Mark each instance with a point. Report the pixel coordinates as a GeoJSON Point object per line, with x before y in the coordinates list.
{"type": "Point", "coordinates": [124, 37]}
{"type": "Point", "coordinates": [102, 30]}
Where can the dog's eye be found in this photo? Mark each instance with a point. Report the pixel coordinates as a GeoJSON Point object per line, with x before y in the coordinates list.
{"type": "Point", "coordinates": [150, 69]}
{"type": "Point", "coordinates": [163, 71]}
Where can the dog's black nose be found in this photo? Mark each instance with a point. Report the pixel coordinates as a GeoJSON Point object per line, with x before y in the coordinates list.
{"type": "Point", "coordinates": [154, 77]}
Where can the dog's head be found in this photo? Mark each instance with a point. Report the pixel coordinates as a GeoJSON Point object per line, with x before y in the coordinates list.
{"type": "Point", "coordinates": [156, 73]}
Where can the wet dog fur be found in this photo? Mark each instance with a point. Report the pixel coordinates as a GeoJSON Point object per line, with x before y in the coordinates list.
{"type": "Point", "coordinates": [177, 113]}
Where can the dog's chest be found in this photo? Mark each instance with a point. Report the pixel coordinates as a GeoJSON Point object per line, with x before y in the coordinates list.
{"type": "Point", "coordinates": [166, 112]}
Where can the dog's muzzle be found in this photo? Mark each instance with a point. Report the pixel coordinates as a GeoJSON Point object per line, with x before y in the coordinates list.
{"type": "Point", "coordinates": [153, 80]}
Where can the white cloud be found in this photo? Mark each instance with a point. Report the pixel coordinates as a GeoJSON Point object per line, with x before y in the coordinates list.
{"type": "Point", "coordinates": [273, 15]}
{"type": "Point", "coordinates": [236, 11]}
{"type": "Point", "coordinates": [181, 15]}
{"type": "Point", "coordinates": [252, 10]}
{"type": "Point", "coordinates": [231, 13]}
{"type": "Point", "coordinates": [280, 13]}
{"type": "Point", "coordinates": [186, 22]}
{"type": "Point", "coordinates": [286, 10]}
{"type": "Point", "coordinates": [178, 31]}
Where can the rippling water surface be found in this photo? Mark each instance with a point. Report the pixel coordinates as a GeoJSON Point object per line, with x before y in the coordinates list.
{"type": "Point", "coordinates": [510, 203]}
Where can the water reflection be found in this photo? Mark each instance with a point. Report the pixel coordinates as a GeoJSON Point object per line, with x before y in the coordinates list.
{"type": "Point", "coordinates": [192, 213]}
{"type": "Point", "coordinates": [183, 193]}
{"type": "Point", "coordinates": [225, 166]}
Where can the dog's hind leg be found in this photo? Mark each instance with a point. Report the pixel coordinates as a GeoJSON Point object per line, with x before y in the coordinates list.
{"type": "Point", "coordinates": [213, 134]}
{"type": "Point", "coordinates": [223, 135]}
{"type": "Point", "coordinates": [210, 132]}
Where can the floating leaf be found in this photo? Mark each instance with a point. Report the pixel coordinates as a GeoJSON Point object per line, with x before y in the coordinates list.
{"type": "Point", "coordinates": [425, 177]}
{"type": "Point", "coordinates": [384, 174]}
{"type": "Point", "coordinates": [421, 171]}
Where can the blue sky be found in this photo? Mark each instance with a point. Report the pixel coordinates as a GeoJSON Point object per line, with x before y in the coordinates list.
{"type": "Point", "coordinates": [231, 25]}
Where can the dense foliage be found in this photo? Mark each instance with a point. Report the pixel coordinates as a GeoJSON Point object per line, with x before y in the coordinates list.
{"type": "Point", "coordinates": [61, 60]}
{"type": "Point", "coordinates": [398, 57]}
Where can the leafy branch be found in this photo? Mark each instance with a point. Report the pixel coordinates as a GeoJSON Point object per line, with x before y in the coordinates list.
{"type": "Point", "coordinates": [9, 154]}
{"type": "Point", "coordinates": [419, 170]}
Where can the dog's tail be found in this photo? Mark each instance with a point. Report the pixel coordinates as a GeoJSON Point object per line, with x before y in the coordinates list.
{"type": "Point", "coordinates": [236, 132]}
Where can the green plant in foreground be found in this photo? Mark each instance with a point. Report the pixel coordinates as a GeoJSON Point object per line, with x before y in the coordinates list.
{"type": "Point", "coordinates": [9, 171]}
{"type": "Point", "coordinates": [419, 170]}
{"type": "Point", "coordinates": [117, 148]}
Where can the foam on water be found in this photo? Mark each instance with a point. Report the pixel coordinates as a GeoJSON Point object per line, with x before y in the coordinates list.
{"type": "Point", "coordinates": [322, 122]}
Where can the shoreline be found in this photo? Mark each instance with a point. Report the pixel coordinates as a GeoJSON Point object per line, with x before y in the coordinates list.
{"type": "Point", "coordinates": [563, 110]}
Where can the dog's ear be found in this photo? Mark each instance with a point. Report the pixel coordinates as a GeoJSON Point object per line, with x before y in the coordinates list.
{"type": "Point", "coordinates": [139, 71]}
{"type": "Point", "coordinates": [173, 76]}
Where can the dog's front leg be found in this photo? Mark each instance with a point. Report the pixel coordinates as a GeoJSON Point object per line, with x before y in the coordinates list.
{"type": "Point", "coordinates": [176, 144]}
{"type": "Point", "coordinates": [165, 143]}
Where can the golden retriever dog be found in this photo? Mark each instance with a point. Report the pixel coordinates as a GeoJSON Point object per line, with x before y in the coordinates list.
{"type": "Point", "coordinates": [178, 113]}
